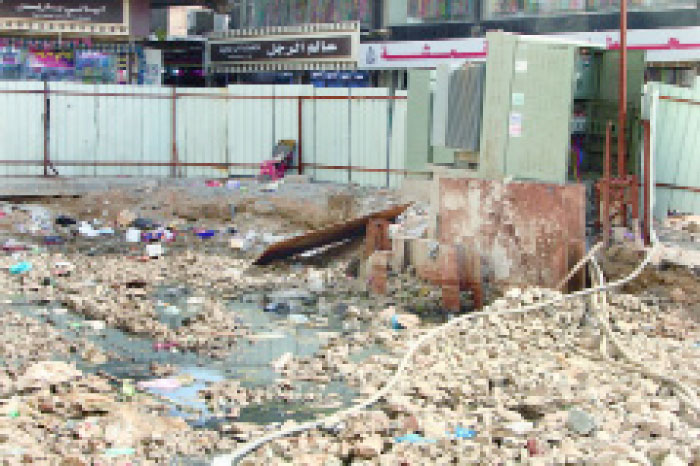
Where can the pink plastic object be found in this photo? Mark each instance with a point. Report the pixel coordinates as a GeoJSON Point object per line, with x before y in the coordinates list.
{"type": "Point", "coordinates": [163, 384]}
{"type": "Point", "coordinates": [273, 169]}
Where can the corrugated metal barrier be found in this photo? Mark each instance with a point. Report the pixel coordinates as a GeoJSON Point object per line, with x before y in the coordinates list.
{"type": "Point", "coordinates": [676, 147]}
{"type": "Point", "coordinates": [345, 135]}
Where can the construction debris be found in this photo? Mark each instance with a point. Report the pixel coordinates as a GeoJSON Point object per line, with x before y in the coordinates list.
{"type": "Point", "coordinates": [148, 334]}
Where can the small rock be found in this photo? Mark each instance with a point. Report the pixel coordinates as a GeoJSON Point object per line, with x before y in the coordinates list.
{"type": "Point", "coordinates": [580, 422]}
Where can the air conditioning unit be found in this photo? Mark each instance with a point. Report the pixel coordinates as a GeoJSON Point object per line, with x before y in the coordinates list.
{"type": "Point", "coordinates": [221, 23]}
{"type": "Point", "coordinates": [199, 22]}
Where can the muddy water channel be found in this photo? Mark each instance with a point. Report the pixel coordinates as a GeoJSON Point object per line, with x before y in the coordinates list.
{"type": "Point", "coordinates": [295, 326]}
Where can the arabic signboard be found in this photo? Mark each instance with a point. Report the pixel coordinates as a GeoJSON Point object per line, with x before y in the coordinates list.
{"type": "Point", "coordinates": [661, 45]}
{"type": "Point", "coordinates": [297, 49]}
{"type": "Point", "coordinates": [92, 11]}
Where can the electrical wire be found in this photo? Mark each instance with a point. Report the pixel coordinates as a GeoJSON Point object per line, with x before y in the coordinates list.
{"type": "Point", "coordinates": [335, 419]}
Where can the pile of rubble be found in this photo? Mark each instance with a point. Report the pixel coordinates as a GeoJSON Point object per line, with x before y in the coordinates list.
{"type": "Point", "coordinates": [531, 387]}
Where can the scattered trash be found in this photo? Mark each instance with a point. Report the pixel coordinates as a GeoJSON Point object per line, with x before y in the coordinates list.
{"type": "Point", "coordinates": [63, 269]}
{"type": "Point", "coordinates": [12, 245]}
{"type": "Point", "coordinates": [128, 389]}
{"type": "Point", "coordinates": [65, 221]}
{"type": "Point", "coordinates": [213, 183]}
{"type": "Point", "coordinates": [521, 427]}
{"type": "Point", "coordinates": [87, 230]}
{"type": "Point", "coordinates": [461, 432]}
{"type": "Point", "coordinates": [413, 438]}
{"type": "Point", "coordinates": [106, 231]}
{"type": "Point", "coordinates": [21, 267]}
{"type": "Point", "coordinates": [233, 184]}
{"type": "Point", "coordinates": [237, 243]}
{"type": "Point", "coordinates": [119, 451]}
{"type": "Point", "coordinates": [133, 235]}
{"type": "Point", "coordinates": [160, 384]}
{"type": "Point", "coordinates": [53, 240]}
{"type": "Point", "coordinates": [532, 447]}
{"type": "Point", "coordinates": [205, 233]}
{"type": "Point", "coordinates": [160, 346]}
{"type": "Point", "coordinates": [154, 250]}
{"type": "Point", "coordinates": [142, 223]}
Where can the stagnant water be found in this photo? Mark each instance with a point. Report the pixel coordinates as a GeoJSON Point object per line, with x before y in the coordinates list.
{"type": "Point", "coordinates": [248, 362]}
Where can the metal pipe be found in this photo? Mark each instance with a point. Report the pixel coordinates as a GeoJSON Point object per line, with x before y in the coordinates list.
{"type": "Point", "coordinates": [173, 115]}
{"type": "Point", "coordinates": [647, 182]}
{"type": "Point", "coordinates": [46, 128]}
{"type": "Point", "coordinates": [606, 187]}
{"type": "Point", "coordinates": [299, 135]}
{"type": "Point", "coordinates": [622, 110]}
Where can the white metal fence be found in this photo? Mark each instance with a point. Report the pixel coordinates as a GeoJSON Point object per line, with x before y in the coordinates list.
{"type": "Point", "coordinates": [675, 129]}
{"type": "Point", "coordinates": [347, 135]}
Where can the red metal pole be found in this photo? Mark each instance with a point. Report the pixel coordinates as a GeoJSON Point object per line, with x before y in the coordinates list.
{"type": "Point", "coordinates": [622, 110]}
{"type": "Point", "coordinates": [647, 182]}
{"type": "Point", "coordinates": [606, 187]}
{"type": "Point", "coordinates": [299, 137]}
{"type": "Point", "coordinates": [46, 128]}
{"type": "Point", "coordinates": [174, 161]}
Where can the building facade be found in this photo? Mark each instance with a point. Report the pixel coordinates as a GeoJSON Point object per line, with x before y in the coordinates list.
{"type": "Point", "coordinates": [89, 41]}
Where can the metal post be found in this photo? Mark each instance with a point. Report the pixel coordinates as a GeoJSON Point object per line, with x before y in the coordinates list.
{"type": "Point", "coordinates": [622, 110]}
{"type": "Point", "coordinates": [300, 115]}
{"type": "Point", "coordinates": [46, 128]}
{"type": "Point", "coordinates": [647, 182]}
{"type": "Point", "coordinates": [173, 114]}
{"type": "Point", "coordinates": [606, 187]}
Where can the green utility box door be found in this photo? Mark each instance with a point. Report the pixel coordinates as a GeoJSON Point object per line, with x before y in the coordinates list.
{"type": "Point", "coordinates": [418, 120]}
{"type": "Point", "coordinates": [540, 112]}
{"type": "Point", "coordinates": [528, 103]}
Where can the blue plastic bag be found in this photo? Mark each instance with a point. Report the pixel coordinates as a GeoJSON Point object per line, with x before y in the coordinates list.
{"type": "Point", "coordinates": [461, 432]}
{"type": "Point", "coordinates": [413, 438]}
{"type": "Point", "coordinates": [21, 267]}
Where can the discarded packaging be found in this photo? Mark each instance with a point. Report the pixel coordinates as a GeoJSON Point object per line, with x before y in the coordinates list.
{"type": "Point", "coordinates": [160, 384]}
{"type": "Point", "coordinates": [133, 235]}
{"type": "Point", "coordinates": [22, 267]}
{"type": "Point", "coordinates": [154, 250]}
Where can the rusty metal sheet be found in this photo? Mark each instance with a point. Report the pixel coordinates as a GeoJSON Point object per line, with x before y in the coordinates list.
{"type": "Point", "coordinates": [318, 238]}
{"type": "Point", "coordinates": [526, 233]}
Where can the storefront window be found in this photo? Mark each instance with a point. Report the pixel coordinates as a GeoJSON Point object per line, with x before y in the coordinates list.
{"type": "Point", "coordinates": [263, 13]}
{"type": "Point", "coordinates": [420, 11]}
{"type": "Point", "coordinates": [49, 60]}
{"type": "Point", "coordinates": [500, 8]}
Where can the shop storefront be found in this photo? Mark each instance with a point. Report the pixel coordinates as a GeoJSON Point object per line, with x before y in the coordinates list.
{"type": "Point", "coordinates": [87, 41]}
{"type": "Point", "coordinates": [74, 61]}
{"type": "Point", "coordinates": [181, 62]}
{"type": "Point", "coordinates": [324, 55]}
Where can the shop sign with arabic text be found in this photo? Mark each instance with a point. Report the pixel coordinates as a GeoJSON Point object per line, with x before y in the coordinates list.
{"type": "Point", "coordinates": [92, 11]}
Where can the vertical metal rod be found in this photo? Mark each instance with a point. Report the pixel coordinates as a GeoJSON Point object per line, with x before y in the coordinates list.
{"type": "Point", "coordinates": [46, 128]}
{"type": "Point", "coordinates": [647, 182]}
{"type": "Point", "coordinates": [606, 187]}
{"type": "Point", "coordinates": [300, 115]}
{"type": "Point", "coordinates": [174, 157]}
{"type": "Point", "coordinates": [622, 110]}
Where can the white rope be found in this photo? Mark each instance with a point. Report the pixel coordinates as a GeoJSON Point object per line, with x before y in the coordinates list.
{"type": "Point", "coordinates": [335, 419]}
{"type": "Point", "coordinates": [686, 393]}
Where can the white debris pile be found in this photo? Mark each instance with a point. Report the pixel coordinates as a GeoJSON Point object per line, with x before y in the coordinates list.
{"type": "Point", "coordinates": [543, 387]}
